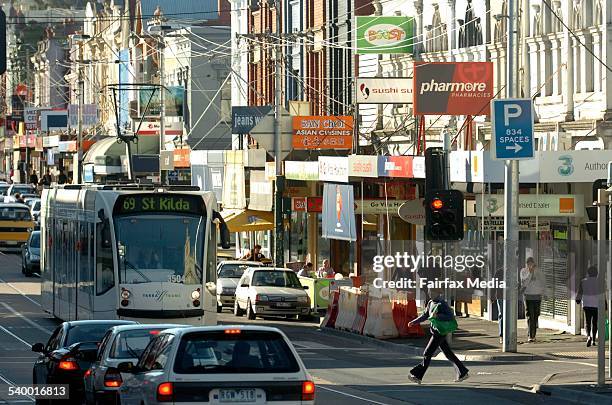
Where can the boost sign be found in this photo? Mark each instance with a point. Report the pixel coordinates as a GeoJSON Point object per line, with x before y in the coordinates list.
{"type": "Point", "coordinates": [384, 34]}
{"type": "Point", "coordinates": [453, 88]}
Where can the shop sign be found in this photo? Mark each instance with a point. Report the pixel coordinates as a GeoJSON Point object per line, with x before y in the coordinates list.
{"type": "Point", "coordinates": [89, 115]}
{"type": "Point", "coordinates": [384, 35]}
{"type": "Point", "coordinates": [233, 187]}
{"type": "Point", "coordinates": [30, 141]}
{"type": "Point", "coordinates": [67, 146]}
{"type": "Point", "coordinates": [314, 204]}
{"type": "Point", "coordinates": [525, 224]}
{"type": "Point", "coordinates": [338, 221]}
{"type": "Point", "coordinates": [8, 143]}
{"type": "Point", "coordinates": [244, 119]}
{"type": "Point", "coordinates": [453, 88]}
{"type": "Point", "coordinates": [395, 166]}
{"type": "Point", "coordinates": [532, 205]}
{"type": "Point", "coordinates": [334, 168]}
{"type": "Point", "coordinates": [574, 166]}
{"type": "Point", "coordinates": [388, 90]}
{"type": "Point", "coordinates": [166, 160]}
{"type": "Point", "coordinates": [302, 170]}
{"type": "Point", "coordinates": [270, 169]}
{"type": "Point", "coordinates": [181, 158]}
{"type": "Point", "coordinates": [363, 166]}
{"type": "Point", "coordinates": [153, 128]}
{"type": "Point", "coordinates": [383, 207]}
{"type": "Point", "coordinates": [298, 204]}
{"type": "Point", "coordinates": [418, 167]}
{"type": "Point", "coordinates": [22, 141]}
{"type": "Point", "coordinates": [30, 117]}
{"type": "Point", "coordinates": [51, 120]}
{"type": "Point", "coordinates": [323, 132]}
{"type": "Point", "coordinates": [261, 191]}
{"type": "Point", "coordinates": [413, 211]}
{"type": "Point", "coordinates": [51, 141]}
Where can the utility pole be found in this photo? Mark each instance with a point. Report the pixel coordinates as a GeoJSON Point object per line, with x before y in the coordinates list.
{"type": "Point", "coordinates": [79, 175]}
{"type": "Point", "coordinates": [511, 181]}
{"type": "Point", "coordinates": [280, 180]}
{"type": "Point", "coordinates": [602, 207]}
{"type": "Point", "coordinates": [162, 99]}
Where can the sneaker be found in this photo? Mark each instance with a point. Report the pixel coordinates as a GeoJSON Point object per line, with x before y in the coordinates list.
{"type": "Point", "coordinates": [589, 341]}
{"type": "Point", "coordinates": [501, 340]}
{"type": "Point", "coordinates": [414, 379]}
{"type": "Point", "coordinates": [462, 377]}
{"type": "Point", "coordinates": [529, 340]}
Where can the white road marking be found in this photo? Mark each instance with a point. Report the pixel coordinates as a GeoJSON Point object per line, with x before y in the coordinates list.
{"type": "Point", "coordinates": [29, 321]}
{"type": "Point", "coordinates": [15, 336]}
{"type": "Point", "coordinates": [352, 396]}
{"type": "Point", "coordinates": [309, 345]}
{"type": "Point", "coordinates": [571, 362]}
{"type": "Point", "coordinates": [12, 384]}
{"type": "Point", "coordinates": [20, 292]}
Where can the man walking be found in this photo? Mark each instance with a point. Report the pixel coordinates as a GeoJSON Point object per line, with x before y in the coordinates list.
{"type": "Point", "coordinates": [532, 283]}
{"type": "Point", "coordinates": [588, 294]}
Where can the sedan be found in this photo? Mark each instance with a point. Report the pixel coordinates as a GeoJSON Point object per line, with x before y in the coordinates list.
{"type": "Point", "coordinates": [228, 275]}
{"type": "Point", "coordinates": [30, 254]}
{"type": "Point", "coordinates": [67, 354]}
{"type": "Point", "coordinates": [119, 344]}
{"type": "Point", "coordinates": [217, 365]}
{"type": "Point", "coordinates": [271, 291]}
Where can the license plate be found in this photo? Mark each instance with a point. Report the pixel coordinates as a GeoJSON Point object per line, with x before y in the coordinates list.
{"type": "Point", "coordinates": [237, 395]}
{"type": "Point", "coordinates": [283, 304]}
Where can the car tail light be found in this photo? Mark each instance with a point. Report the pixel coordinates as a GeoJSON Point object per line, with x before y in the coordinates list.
{"type": "Point", "coordinates": [88, 372]}
{"type": "Point", "coordinates": [112, 378]}
{"type": "Point", "coordinates": [165, 392]}
{"type": "Point", "coordinates": [154, 332]}
{"type": "Point", "coordinates": [68, 364]}
{"type": "Point", "coordinates": [308, 391]}
{"type": "Point", "coordinates": [232, 331]}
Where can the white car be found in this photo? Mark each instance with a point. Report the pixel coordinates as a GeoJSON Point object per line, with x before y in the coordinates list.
{"type": "Point", "coordinates": [217, 365]}
{"type": "Point", "coordinates": [271, 291]}
{"type": "Point", "coordinates": [229, 273]}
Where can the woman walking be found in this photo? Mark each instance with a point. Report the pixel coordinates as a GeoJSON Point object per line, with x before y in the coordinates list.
{"type": "Point", "coordinates": [442, 321]}
{"type": "Point", "coordinates": [532, 284]}
{"type": "Point", "coordinates": [588, 293]}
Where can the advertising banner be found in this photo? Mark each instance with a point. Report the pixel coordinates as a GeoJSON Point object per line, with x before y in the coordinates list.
{"type": "Point", "coordinates": [302, 170]}
{"type": "Point", "coordinates": [154, 128]}
{"type": "Point", "coordinates": [323, 132]}
{"type": "Point", "coordinates": [261, 191]}
{"type": "Point", "coordinates": [233, 187]}
{"type": "Point", "coordinates": [395, 166]}
{"type": "Point", "coordinates": [166, 160]}
{"type": "Point", "coordinates": [298, 204]}
{"type": "Point", "coordinates": [532, 205]}
{"type": "Point", "coordinates": [338, 212]}
{"type": "Point", "coordinates": [380, 34]}
{"type": "Point", "coordinates": [387, 90]}
{"type": "Point", "coordinates": [175, 96]}
{"type": "Point", "coordinates": [181, 158]}
{"type": "Point", "coordinates": [30, 117]}
{"type": "Point", "coordinates": [51, 120]}
{"type": "Point", "coordinates": [244, 119]}
{"type": "Point", "coordinates": [334, 168]}
{"type": "Point", "coordinates": [575, 166]}
{"type": "Point", "coordinates": [453, 88]}
{"type": "Point", "coordinates": [89, 115]}
{"type": "Point", "coordinates": [363, 166]}
{"type": "Point", "coordinates": [383, 207]}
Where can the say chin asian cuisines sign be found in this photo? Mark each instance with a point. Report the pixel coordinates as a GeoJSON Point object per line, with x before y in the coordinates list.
{"type": "Point", "coordinates": [379, 34]}
{"type": "Point", "coordinates": [322, 132]}
{"type": "Point", "coordinates": [453, 88]}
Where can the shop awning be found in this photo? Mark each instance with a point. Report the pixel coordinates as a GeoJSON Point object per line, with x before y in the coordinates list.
{"type": "Point", "coordinates": [248, 220]}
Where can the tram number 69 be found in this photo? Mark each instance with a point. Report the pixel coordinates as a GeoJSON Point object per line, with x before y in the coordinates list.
{"type": "Point", "coordinates": [129, 204]}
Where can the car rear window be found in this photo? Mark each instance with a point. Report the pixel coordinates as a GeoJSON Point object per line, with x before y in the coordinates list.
{"type": "Point", "coordinates": [244, 352]}
{"type": "Point", "coordinates": [276, 278]}
{"type": "Point", "coordinates": [87, 333]}
{"type": "Point", "coordinates": [22, 189]}
{"type": "Point", "coordinates": [35, 241]}
{"type": "Point", "coordinates": [232, 270]}
{"type": "Point", "coordinates": [131, 343]}
{"type": "Point", "coordinates": [15, 214]}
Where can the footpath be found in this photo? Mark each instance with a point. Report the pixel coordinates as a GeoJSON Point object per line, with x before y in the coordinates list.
{"type": "Point", "coordinates": [478, 340]}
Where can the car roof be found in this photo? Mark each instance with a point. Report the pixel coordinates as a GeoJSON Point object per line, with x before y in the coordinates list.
{"type": "Point", "coordinates": [14, 205]}
{"type": "Point", "coordinates": [138, 326]}
{"type": "Point", "coordinates": [219, 328]}
{"type": "Point", "coordinates": [273, 269]}
{"type": "Point", "coordinates": [246, 263]}
{"type": "Point", "coordinates": [99, 322]}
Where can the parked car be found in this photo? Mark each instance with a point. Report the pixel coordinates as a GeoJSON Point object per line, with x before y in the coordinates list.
{"type": "Point", "coordinates": [217, 364]}
{"type": "Point", "coordinates": [21, 189]}
{"type": "Point", "coordinates": [70, 351]}
{"type": "Point", "coordinates": [229, 273]}
{"type": "Point", "coordinates": [34, 204]}
{"type": "Point", "coordinates": [270, 291]}
{"type": "Point", "coordinates": [3, 190]}
{"type": "Point", "coordinates": [30, 254]}
{"type": "Point", "coordinates": [120, 344]}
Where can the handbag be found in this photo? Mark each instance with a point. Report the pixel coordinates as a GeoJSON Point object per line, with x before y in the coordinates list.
{"type": "Point", "coordinates": [442, 327]}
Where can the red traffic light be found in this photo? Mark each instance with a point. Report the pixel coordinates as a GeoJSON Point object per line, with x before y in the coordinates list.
{"type": "Point", "coordinates": [437, 204]}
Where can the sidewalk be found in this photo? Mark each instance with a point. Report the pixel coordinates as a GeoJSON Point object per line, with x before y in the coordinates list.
{"type": "Point", "coordinates": [478, 340]}
{"type": "Point", "coordinates": [576, 386]}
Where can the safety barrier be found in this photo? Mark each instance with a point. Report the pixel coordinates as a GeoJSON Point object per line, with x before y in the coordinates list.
{"type": "Point", "coordinates": [379, 323]}
{"type": "Point", "coordinates": [331, 314]}
{"type": "Point", "coordinates": [347, 308]}
{"type": "Point", "coordinates": [404, 310]}
{"type": "Point", "coordinates": [362, 312]}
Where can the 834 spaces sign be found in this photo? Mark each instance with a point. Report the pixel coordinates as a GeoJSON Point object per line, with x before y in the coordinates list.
{"type": "Point", "coordinates": [512, 123]}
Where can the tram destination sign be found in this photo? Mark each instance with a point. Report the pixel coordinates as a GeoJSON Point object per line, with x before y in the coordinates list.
{"type": "Point", "coordinates": [159, 203]}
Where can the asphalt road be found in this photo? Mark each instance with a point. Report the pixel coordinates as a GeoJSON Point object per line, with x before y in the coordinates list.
{"type": "Point", "coordinates": [346, 371]}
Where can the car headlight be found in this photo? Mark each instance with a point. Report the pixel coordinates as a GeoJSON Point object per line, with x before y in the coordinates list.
{"type": "Point", "coordinates": [261, 297]}
{"type": "Point", "coordinates": [195, 294]}
{"type": "Point", "coordinates": [125, 294]}
{"type": "Point", "coordinates": [302, 299]}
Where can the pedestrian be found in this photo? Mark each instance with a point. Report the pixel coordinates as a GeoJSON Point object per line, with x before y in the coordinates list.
{"type": "Point", "coordinates": [532, 285]}
{"type": "Point", "coordinates": [498, 295]}
{"type": "Point", "coordinates": [254, 255]}
{"type": "Point", "coordinates": [19, 198]}
{"type": "Point", "coordinates": [34, 178]}
{"type": "Point", "coordinates": [62, 179]}
{"type": "Point", "coordinates": [306, 270]}
{"type": "Point", "coordinates": [441, 322]}
{"type": "Point", "coordinates": [588, 294]}
{"type": "Point", "coordinates": [46, 179]}
{"type": "Point", "coordinates": [326, 271]}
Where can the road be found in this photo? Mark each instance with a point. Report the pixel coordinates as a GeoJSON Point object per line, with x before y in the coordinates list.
{"type": "Point", "coordinates": [346, 371]}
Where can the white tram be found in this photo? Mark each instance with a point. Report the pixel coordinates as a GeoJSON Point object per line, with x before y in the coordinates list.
{"type": "Point", "coordinates": [130, 252]}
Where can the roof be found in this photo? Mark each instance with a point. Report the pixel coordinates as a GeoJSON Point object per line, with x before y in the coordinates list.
{"type": "Point", "coordinates": [246, 263]}
{"type": "Point", "coordinates": [137, 326]}
{"type": "Point", "coordinates": [191, 329]}
{"type": "Point", "coordinates": [99, 322]}
{"type": "Point", "coordinates": [181, 10]}
{"type": "Point", "coordinates": [13, 205]}
{"type": "Point", "coordinates": [275, 269]}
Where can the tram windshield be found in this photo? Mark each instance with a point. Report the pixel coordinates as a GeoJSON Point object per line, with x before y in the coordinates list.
{"type": "Point", "coordinates": [160, 248]}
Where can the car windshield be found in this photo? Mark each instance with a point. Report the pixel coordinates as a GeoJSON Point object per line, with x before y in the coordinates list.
{"type": "Point", "coordinates": [87, 333]}
{"type": "Point", "coordinates": [245, 352]}
{"type": "Point", "coordinates": [160, 248]}
{"type": "Point", "coordinates": [24, 189]}
{"type": "Point", "coordinates": [131, 343]}
{"type": "Point", "coordinates": [276, 278]}
{"type": "Point", "coordinates": [15, 214]}
{"type": "Point", "coordinates": [232, 270]}
{"type": "Point", "coordinates": [36, 206]}
{"type": "Point", "coordinates": [35, 240]}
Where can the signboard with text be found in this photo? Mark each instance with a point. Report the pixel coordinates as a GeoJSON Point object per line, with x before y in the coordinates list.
{"type": "Point", "coordinates": [323, 132]}
{"type": "Point", "coordinates": [512, 123]}
{"type": "Point", "coordinates": [384, 90]}
{"type": "Point", "coordinates": [244, 119]}
{"type": "Point", "coordinates": [338, 218]}
{"type": "Point", "coordinates": [385, 34]}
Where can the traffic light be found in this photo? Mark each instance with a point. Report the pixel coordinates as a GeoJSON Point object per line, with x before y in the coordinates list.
{"type": "Point", "coordinates": [444, 215]}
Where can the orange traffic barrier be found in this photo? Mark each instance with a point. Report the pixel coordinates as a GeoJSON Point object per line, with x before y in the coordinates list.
{"type": "Point", "coordinates": [404, 310]}
{"type": "Point", "coordinates": [329, 320]}
{"type": "Point", "coordinates": [412, 313]}
{"type": "Point", "coordinates": [362, 313]}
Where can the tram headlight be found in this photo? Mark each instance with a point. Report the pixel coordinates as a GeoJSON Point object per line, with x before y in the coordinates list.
{"type": "Point", "coordinates": [195, 294]}
{"type": "Point", "coordinates": [125, 294]}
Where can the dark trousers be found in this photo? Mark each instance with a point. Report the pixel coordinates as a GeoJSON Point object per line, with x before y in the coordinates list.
{"type": "Point", "coordinates": [590, 315]}
{"type": "Point", "coordinates": [533, 313]}
{"type": "Point", "coordinates": [436, 341]}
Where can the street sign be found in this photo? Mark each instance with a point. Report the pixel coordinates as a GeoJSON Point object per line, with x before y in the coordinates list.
{"type": "Point", "coordinates": [512, 123]}
{"type": "Point", "coordinates": [263, 133]}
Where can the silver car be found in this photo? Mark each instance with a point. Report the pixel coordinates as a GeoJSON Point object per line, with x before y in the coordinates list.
{"type": "Point", "coordinates": [121, 343]}
{"type": "Point", "coordinates": [228, 274]}
{"type": "Point", "coordinates": [218, 365]}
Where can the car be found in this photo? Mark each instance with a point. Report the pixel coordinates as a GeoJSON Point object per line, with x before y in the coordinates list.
{"type": "Point", "coordinates": [21, 189]}
{"type": "Point", "coordinates": [120, 344]}
{"type": "Point", "coordinates": [271, 291]}
{"type": "Point", "coordinates": [69, 352]}
{"type": "Point", "coordinates": [34, 203]}
{"type": "Point", "coordinates": [228, 274]}
{"type": "Point", "coordinates": [217, 364]}
{"type": "Point", "coordinates": [3, 190]}
{"type": "Point", "coordinates": [30, 254]}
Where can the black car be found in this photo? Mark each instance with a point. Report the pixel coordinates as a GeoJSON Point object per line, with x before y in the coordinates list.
{"type": "Point", "coordinates": [30, 254]}
{"type": "Point", "coordinates": [70, 351]}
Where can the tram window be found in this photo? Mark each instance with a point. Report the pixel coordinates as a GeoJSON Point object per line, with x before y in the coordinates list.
{"type": "Point", "coordinates": [105, 275]}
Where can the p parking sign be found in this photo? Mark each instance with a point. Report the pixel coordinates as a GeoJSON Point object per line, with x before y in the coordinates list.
{"type": "Point", "coordinates": [512, 123]}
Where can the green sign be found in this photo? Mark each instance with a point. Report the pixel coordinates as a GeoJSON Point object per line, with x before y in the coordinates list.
{"type": "Point", "coordinates": [385, 34]}
{"type": "Point", "coordinates": [159, 203]}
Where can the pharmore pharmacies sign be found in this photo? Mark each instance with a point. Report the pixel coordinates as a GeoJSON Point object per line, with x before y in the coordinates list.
{"type": "Point", "coordinates": [380, 34]}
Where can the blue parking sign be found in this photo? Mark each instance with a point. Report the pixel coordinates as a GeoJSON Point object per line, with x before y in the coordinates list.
{"type": "Point", "coordinates": [512, 123]}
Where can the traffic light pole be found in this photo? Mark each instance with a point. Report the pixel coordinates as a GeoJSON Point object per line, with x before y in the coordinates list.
{"type": "Point", "coordinates": [511, 184]}
{"type": "Point", "coordinates": [602, 207]}
{"type": "Point", "coordinates": [280, 180]}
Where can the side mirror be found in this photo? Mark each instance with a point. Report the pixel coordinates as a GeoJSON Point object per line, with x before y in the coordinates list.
{"type": "Point", "coordinates": [223, 230]}
{"type": "Point", "coordinates": [38, 348]}
{"type": "Point", "coordinates": [126, 367]}
{"type": "Point", "coordinates": [305, 287]}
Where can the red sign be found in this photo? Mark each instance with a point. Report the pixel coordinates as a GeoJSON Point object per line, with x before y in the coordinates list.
{"type": "Point", "coordinates": [314, 204]}
{"type": "Point", "coordinates": [396, 166]}
{"type": "Point", "coordinates": [181, 158]}
{"type": "Point", "coordinates": [298, 204]}
{"type": "Point", "coordinates": [453, 88]}
{"type": "Point", "coordinates": [323, 132]}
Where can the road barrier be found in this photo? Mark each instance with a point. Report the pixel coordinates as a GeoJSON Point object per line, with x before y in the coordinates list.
{"type": "Point", "coordinates": [331, 314]}
{"type": "Point", "coordinates": [347, 308]}
{"type": "Point", "coordinates": [404, 310]}
{"type": "Point", "coordinates": [362, 312]}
